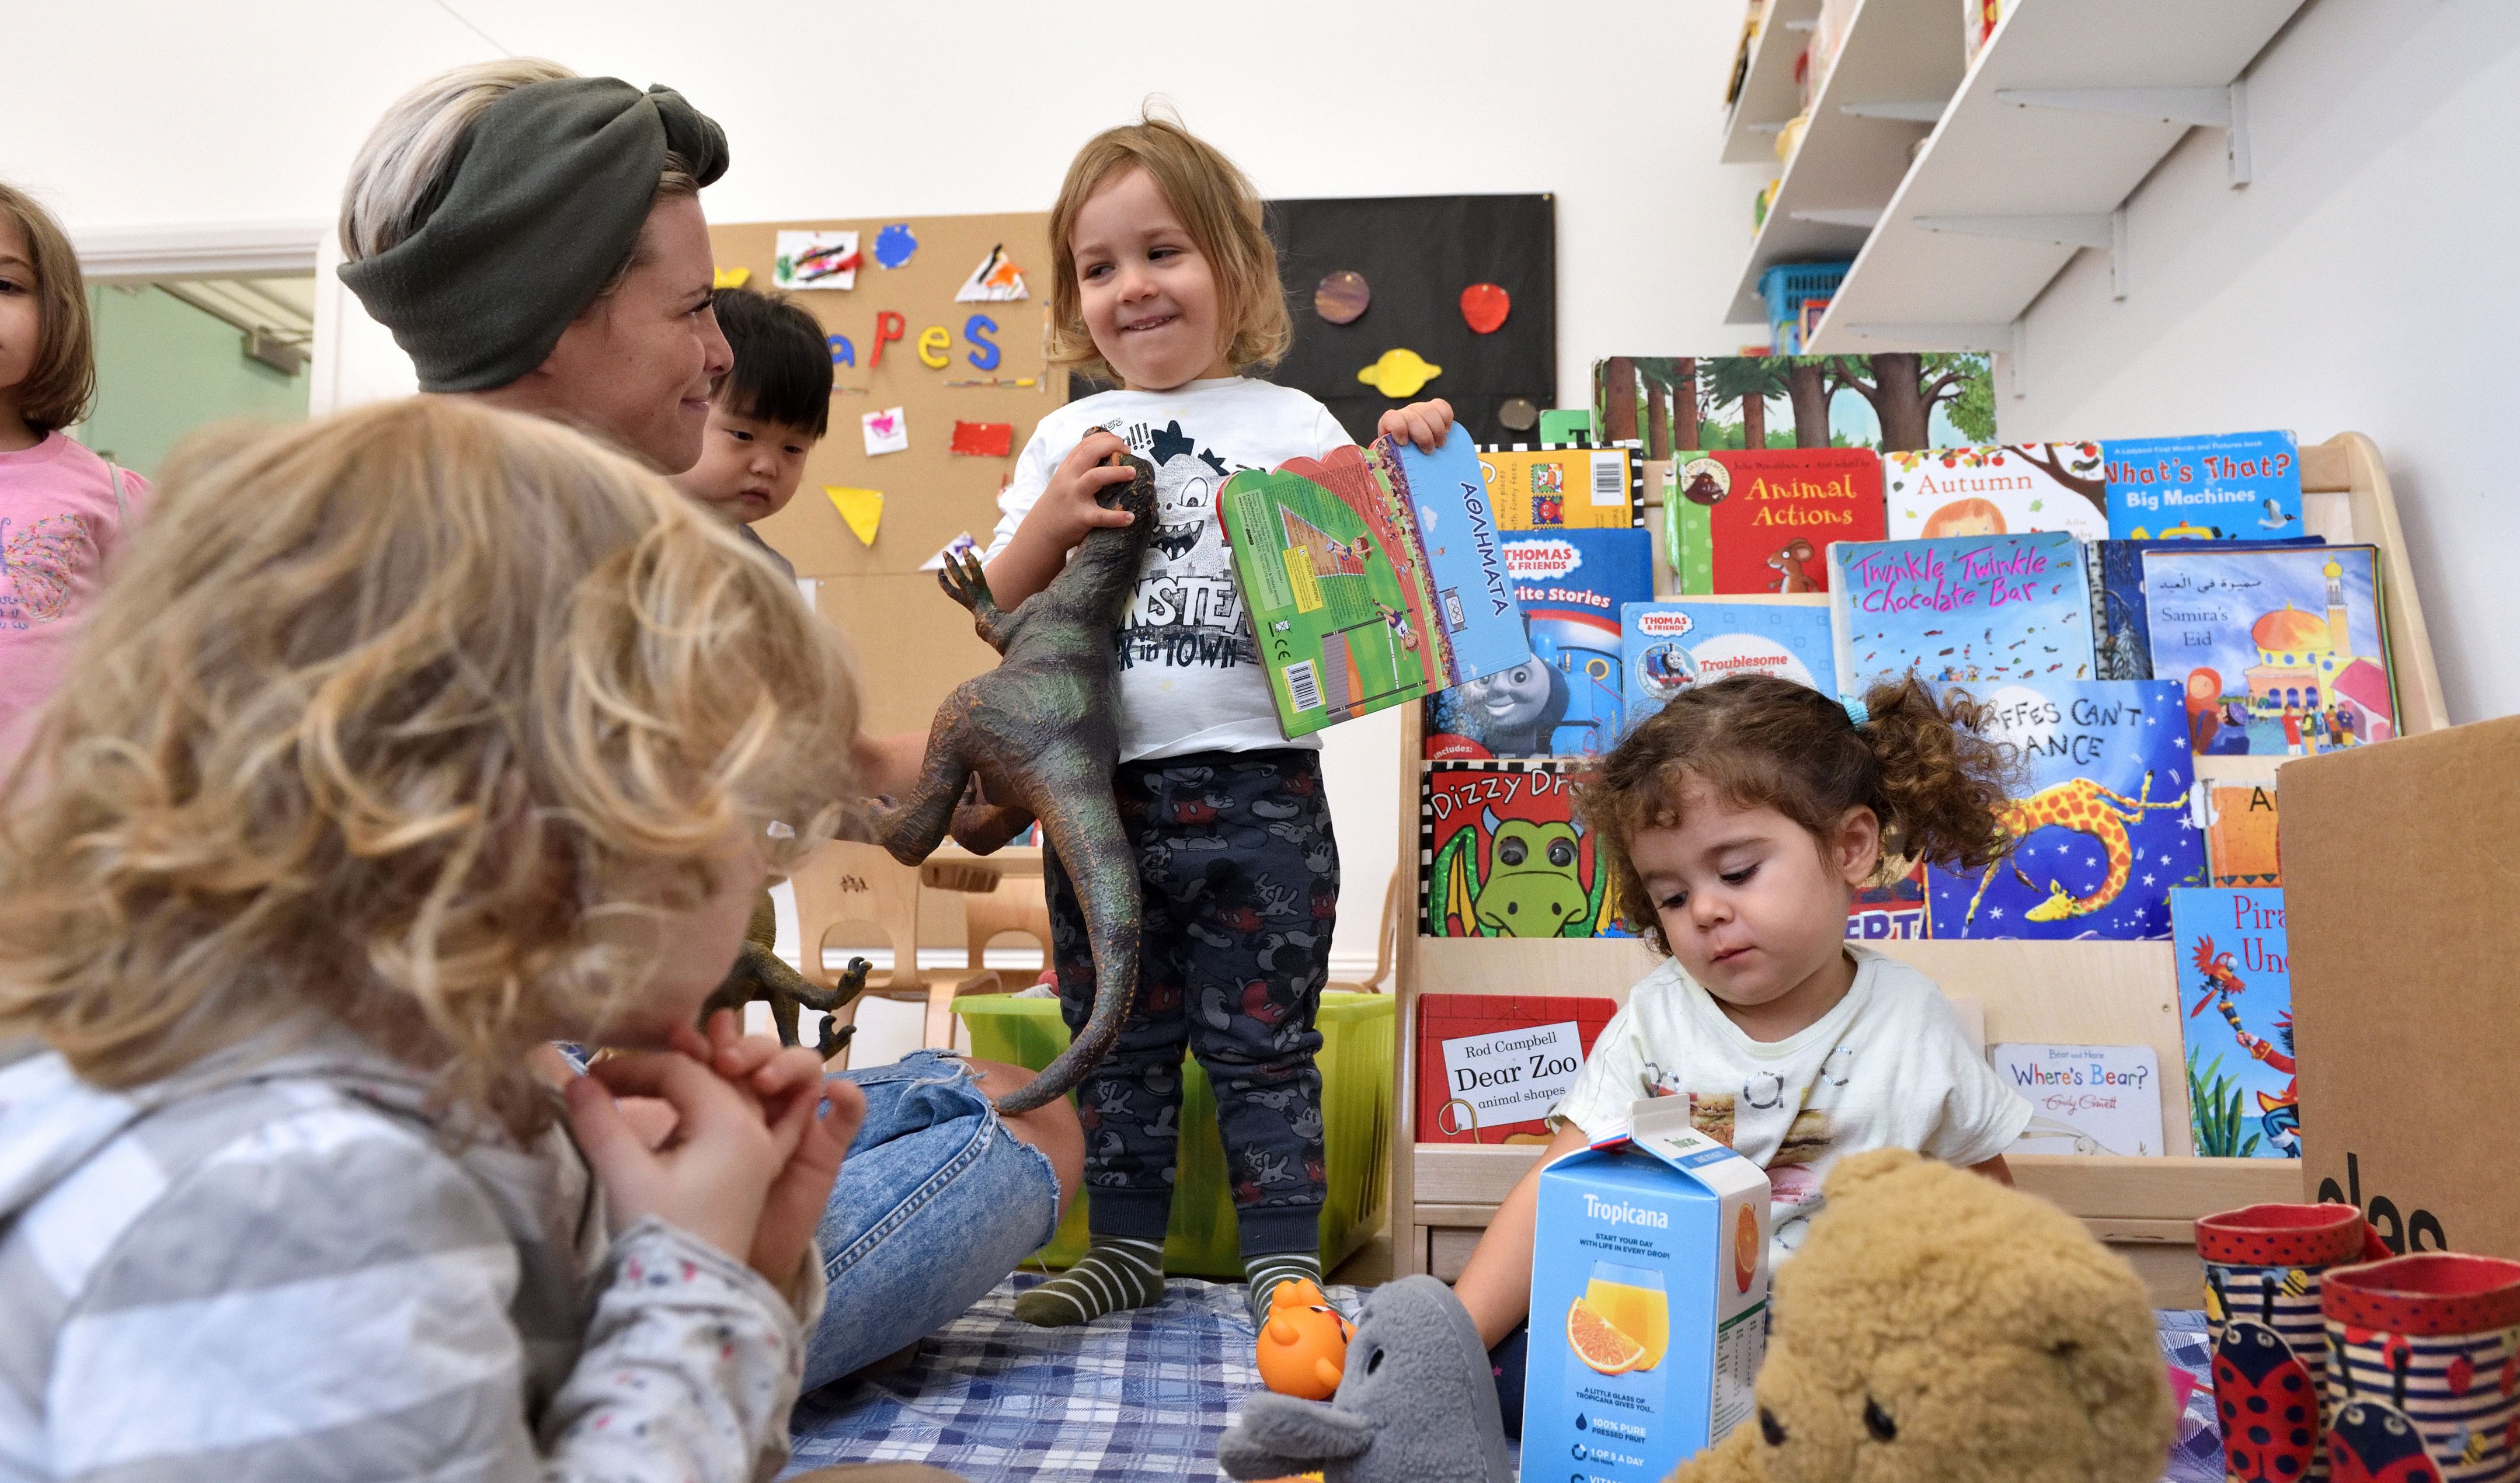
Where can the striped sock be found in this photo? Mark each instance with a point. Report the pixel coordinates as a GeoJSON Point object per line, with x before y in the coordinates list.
{"type": "Point", "coordinates": [1115, 1272]}
{"type": "Point", "coordinates": [1265, 1273]}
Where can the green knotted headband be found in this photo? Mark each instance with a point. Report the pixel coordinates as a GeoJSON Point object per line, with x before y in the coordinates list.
{"type": "Point", "coordinates": [549, 189]}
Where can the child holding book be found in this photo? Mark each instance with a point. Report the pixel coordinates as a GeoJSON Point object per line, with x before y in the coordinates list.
{"type": "Point", "coordinates": [1738, 823]}
{"type": "Point", "coordinates": [61, 508]}
{"type": "Point", "coordinates": [472, 738]}
{"type": "Point", "coordinates": [765, 415]}
{"type": "Point", "coordinates": [1165, 280]}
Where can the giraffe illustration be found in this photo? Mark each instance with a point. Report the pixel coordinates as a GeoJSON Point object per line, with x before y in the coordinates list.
{"type": "Point", "coordinates": [2087, 808]}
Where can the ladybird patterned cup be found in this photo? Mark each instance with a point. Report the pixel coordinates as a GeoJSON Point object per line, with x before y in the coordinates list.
{"type": "Point", "coordinates": [2423, 1381]}
{"type": "Point", "coordinates": [2263, 1270]}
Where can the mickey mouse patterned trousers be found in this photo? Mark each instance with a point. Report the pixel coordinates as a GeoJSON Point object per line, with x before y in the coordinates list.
{"type": "Point", "coordinates": [1240, 879]}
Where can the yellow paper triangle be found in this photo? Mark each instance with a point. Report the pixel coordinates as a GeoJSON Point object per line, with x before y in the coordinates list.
{"type": "Point", "coordinates": [862, 509]}
{"type": "Point", "coordinates": [731, 278]}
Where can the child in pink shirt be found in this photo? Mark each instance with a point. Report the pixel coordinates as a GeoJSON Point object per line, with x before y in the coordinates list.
{"type": "Point", "coordinates": [61, 508]}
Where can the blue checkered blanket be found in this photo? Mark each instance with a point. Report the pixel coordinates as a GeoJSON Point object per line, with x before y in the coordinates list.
{"type": "Point", "coordinates": [1144, 1395]}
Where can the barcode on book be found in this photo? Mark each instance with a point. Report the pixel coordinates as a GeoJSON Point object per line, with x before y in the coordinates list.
{"type": "Point", "coordinates": [1303, 687]}
{"type": "Point", "coordinates": [1610, 478]}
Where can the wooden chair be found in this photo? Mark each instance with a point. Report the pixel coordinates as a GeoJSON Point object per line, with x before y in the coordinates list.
{"type": "Point", "coordinates": [843, 884]}
{"type": "Point", "coordinates": [996, 901]}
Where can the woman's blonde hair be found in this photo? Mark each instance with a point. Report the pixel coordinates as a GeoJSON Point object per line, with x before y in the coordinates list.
{"type": "Point", "coordinates": [1218, 207]}
{"type": "Point", "coordinates": [404, 169]}
{"type": "Point", "coordinates": [61, 386]}
{"type": "Point", "coordinates": [394, 715]}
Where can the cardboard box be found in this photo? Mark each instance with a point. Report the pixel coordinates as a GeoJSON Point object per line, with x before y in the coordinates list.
{"type": "Point", "coordinates": [2402, 876]}
{"type": "Point", "coordinates": [1662, 1234]}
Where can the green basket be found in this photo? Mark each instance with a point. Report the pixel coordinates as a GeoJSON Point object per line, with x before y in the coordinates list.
{"type": "Point", "coordinates": [1203, 1241]}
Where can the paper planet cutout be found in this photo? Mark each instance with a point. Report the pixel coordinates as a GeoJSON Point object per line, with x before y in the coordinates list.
{"type": "Point", "coordinates": [1399, 374]}
{"type": "Point", "coordinates": [1342, 296]}
{"type": "Point", "coordinates": [1518, 414]}
{"type": "Point", "coordinates": [1484, 306]}
{"type": "Point", "coordinates": [894, 245]}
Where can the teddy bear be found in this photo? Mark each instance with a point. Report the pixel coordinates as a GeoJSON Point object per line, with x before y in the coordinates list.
{"type": "Point", "coordinates": [1937, 1326]}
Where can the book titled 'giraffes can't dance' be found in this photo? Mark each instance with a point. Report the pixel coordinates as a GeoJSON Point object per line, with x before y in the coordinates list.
{"type": "Point", "coordinates": [2100, 819]}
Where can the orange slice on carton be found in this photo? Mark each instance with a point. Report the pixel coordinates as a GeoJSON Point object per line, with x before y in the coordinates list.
{"type": "Point", "coordinates": [1601, 1343]}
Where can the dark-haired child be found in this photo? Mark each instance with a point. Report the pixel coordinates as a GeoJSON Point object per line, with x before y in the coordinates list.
{"type": "Point", "coordinates": [1737, 825]}
{"type": "Point", "coordinates": [765, 416]}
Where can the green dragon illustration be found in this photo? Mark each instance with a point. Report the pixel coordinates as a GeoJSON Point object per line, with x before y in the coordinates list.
{"type": "Point", "coordinates": [1532, 888]}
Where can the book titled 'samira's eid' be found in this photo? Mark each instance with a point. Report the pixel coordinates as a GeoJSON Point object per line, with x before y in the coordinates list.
{"type": "Point", "coordinates": [1760, 520]}
{"type": "Point", "coordinates": [1372, 578]}
{"type": "Point", "coordinates": [2282, 653]}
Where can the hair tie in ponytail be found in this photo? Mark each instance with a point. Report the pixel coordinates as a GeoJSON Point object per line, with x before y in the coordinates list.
{"type": "Point", "coordinates": [1856, 710]}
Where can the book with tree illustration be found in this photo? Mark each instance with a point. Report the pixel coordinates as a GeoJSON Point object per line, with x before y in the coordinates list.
{"type": "Point", "coordinates": [1997, 490]}
{"type": "Point", "coordinates": [2224, 486]}
{"type": "Point", "coordinates": [1675, 405]}
{"type": "Point", "coordinates": [1966, 608]}
{"type": "Point", "coordinates": [1751, 521]}
{"type": "Point", "coordinates": [1505, 854]}
{"type": "Point", "coordinates": [2100, 818]}
{"type": "Point", "coordinates": [1675, 644]}
{"type": "Point", "coordinates": [2235, 987]}
{"type": "Point", "coordinates": [2282, 653]}
{"type": "Point", "coordinates": [1576, 487]}
{"type": "Point", "coordinates": [1566, 701]}
{"type": "Point", "coordinates": [1372, 576]}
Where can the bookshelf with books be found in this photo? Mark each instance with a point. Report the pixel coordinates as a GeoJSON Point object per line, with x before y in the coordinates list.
{"type": "Point", "coordinates": [2087, 991]}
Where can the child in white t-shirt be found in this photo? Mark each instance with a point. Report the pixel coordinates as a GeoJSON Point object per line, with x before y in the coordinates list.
{"type": "Point", "coordinates": [1163, 278]}
{"type": "Point", "coordinates": [1738, 823]}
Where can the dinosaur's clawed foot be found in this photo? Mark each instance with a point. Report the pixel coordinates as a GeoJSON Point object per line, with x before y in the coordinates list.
{"type": "Point", "coordinates": [964, 581]}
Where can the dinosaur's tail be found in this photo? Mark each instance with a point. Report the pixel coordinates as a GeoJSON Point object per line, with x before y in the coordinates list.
{"type": "Point", "coordinates": [1093, 848]}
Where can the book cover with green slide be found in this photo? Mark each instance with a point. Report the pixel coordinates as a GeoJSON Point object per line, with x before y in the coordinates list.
{"type": "Point", "coordinates": [1372, 577]}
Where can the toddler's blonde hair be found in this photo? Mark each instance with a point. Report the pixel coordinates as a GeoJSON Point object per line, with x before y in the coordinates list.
{"type": "Point", "coordinates": [1219, 208]}
{"type": "Point", "coordinates": [378, 716]}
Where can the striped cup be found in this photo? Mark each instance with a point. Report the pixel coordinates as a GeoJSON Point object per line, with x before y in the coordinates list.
{"type": "Point", "coordinates": [2263, 1270]}
{"type": "Point", "coordinates": [2423, 1380]}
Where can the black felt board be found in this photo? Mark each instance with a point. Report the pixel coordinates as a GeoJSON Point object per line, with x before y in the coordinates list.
{"type": "Point", "coordinates": [1417, 253]}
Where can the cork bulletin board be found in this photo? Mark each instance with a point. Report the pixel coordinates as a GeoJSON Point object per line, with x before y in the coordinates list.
{"type": "Point", "coordinates": [913, 644]}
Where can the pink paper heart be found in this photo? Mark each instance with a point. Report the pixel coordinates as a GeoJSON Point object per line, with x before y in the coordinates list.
{"type": "Point", "coordinates": [883, 425]}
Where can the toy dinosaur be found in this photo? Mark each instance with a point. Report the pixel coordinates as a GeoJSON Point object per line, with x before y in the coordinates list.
{"type": "Point", "coordinates": [760, 973]}
{"type": "Point", "coordinates": [1042, 733]}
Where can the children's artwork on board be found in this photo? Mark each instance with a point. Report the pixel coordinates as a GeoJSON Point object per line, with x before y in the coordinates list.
{"type": "Point", "coordinates": [1576, 488]}
{"type": "Point", "coordinates": [1968, 609]}
{"type": "Point", "coordinates": [1506, 856]}
{"type": "Point", "coordinates": [1758, 521]}
{"type": "Point", "coordinates": [2240, 833]}
{"type": "Point", "coordinates": [997, 280]}
{"type": "Point", "coordinates": [1673, 645]}
{"type": "Point", "coordinates": [1679, 404]}
{"type": "Point", "coordinates": [815, 260]}
{"type": "Point", "coordinates": [1893, 909]}
{"type": "Point", "coordinates": [2231, 486]}
{"type": "Point", "coordinates": [1350, 613]}
{"type": "Point", "coordinates": [2100, 821]}
{"type": "Point", "coordinates": [1567, 701]}
{"type": "Point", "coordinates": [2085, 1100]}
{"type": "Point", "coordinates": [2281, 652]}
{"type": "Point", "coordinates": [1997, 490]}
{"type": "Point", "coordinates": [2235, 988]}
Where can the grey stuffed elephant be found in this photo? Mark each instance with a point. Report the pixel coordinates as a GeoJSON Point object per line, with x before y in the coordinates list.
{"type": "Point", "coordinates": [1417, 1404]}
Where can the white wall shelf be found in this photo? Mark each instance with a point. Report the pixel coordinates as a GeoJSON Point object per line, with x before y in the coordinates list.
{"type": "Point", "coordinates": [1768, 98]}
{"type": "Point", "coordinates": [1898, 67]}
{"type": "Point", "coordinates": [2071, 104]}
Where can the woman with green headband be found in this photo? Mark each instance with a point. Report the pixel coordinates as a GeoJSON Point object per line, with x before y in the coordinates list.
{"type": "Point", "coordinates": [535, 239]}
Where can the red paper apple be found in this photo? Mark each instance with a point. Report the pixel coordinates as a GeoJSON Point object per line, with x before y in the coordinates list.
{"type": "Point", "coordinates": [1484, 306]}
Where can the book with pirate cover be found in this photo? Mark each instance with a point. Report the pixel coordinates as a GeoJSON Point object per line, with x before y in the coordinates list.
{"type": "Point", "coordinates": [1372, 576]}
{"type": "Point", "coordinates": [2236, 994]}
{"type": "Point", "coordinates": [1502, 854]}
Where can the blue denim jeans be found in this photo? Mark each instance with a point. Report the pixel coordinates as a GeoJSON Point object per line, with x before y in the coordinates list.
{"type": "Point", "coordinates": [935, 1204]}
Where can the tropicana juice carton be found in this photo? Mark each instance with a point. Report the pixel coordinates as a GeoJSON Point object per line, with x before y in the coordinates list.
{"type": "Point", "coordinates": [1649, 1301]}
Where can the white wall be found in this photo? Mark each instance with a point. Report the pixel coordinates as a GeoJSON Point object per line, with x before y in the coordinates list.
{"type": "Point", "coordinates": [2361, 280]}
{"type": "Point", "coordinates": [221, 115]}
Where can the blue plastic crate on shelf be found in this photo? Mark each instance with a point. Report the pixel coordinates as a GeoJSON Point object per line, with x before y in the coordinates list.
{"type": "Point", "coordinates": [1786, 284]}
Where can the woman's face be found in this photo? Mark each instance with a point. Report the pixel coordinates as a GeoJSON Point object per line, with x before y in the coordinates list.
{"type": "Point", "coordinates": [636, 368]}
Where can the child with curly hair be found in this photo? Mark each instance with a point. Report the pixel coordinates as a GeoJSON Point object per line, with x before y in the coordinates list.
{"type": "Point", "coordinates": [1737, 825]}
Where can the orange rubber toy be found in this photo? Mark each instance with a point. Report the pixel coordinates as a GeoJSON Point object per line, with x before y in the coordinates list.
{"type": "Point", "coordinates": [1303, 1347]}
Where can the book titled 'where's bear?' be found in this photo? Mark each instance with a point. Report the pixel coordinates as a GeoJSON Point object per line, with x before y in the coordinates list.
{"type": "Point", "coordinates": [1759, 520]}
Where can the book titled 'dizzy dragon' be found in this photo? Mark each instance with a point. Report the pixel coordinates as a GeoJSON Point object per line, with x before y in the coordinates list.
{"type": "Point", "coordinates": [1372, 577]}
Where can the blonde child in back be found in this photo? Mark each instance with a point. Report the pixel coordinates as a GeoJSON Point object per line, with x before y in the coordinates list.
{"type": "Point", "coordinates": [469, 739]}
{"type": "Point", "coordinates": [1163, 279]}
{"type": "Point", "coordinates": [1738, 824]}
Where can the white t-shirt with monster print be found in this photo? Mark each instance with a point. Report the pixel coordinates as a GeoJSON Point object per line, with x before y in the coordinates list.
{"type": "Point", "coordinates": [1887, 1067]}
{"type": "Point", "coordinates": [1190, 679]}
